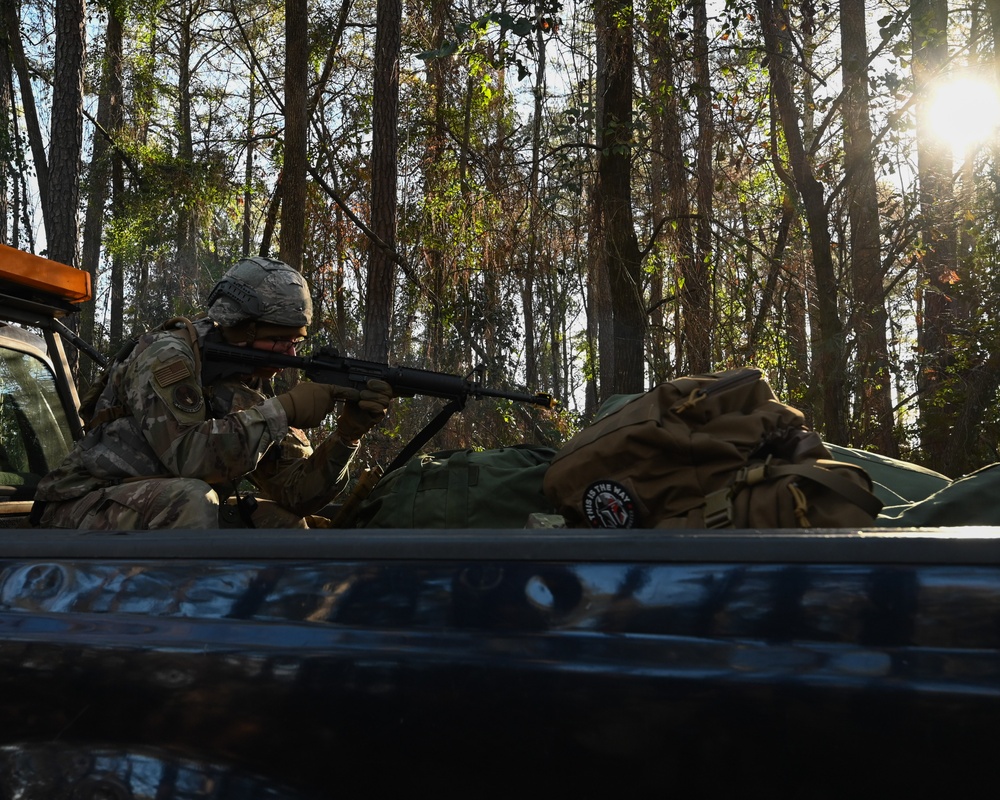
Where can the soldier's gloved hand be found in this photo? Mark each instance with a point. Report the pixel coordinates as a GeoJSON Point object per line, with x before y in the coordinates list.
{"type": "Point", "coordinates": [307, 405]}
{"type": "Point", "coordinates": [360, 416]}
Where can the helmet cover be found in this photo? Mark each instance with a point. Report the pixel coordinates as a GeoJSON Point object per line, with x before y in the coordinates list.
{"type": "Point", "coordinates": [261, 289]}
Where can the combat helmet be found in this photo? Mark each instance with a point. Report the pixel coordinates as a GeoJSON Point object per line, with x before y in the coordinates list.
{"type": "Point", "coordinates": [261, 289]}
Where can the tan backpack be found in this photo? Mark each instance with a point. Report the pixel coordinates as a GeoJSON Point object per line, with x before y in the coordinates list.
{"type": "Point", "coordinates": [706, 451]}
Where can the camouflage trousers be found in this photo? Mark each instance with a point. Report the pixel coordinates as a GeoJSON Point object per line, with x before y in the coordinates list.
{"type": "Point", "coordinates": [159, 503]}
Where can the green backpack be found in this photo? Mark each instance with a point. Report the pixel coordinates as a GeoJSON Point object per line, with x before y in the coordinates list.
{"type": "Point", "coordinates": [963, 502]}
{"type": "Point", "coordinates": [497, 488]}
{"type": "Point", "coordinates": [896, 482]}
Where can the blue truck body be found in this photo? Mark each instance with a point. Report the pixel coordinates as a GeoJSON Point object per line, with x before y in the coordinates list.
{"type": "Point", "coordinates": [303, 664]}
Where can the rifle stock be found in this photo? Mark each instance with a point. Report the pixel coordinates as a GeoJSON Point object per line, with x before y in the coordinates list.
{"type": "Point", "coordinates": [225, 360]}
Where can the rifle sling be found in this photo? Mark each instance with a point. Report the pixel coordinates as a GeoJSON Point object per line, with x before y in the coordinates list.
{"type": "Point", "coordinates": [428, 431]}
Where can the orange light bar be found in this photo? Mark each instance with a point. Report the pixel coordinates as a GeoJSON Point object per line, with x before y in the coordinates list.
{"type": "Point", "coordinates": [36, 272]}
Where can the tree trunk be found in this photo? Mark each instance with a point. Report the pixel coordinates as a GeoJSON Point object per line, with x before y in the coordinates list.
{"type": "Point", "coordinates": [697, 299]}
{"type": "Point", "coordinates": [248, 167]}
{"type": "Point", "coordinates": [929, 19]}
{"type": "Point", "coordinates": [669, 189]}
{"type": "Point", "coordinates": [182, 283]}
{"type": "Point", "coordinates": [993, 6]}
{"type": "Point", "coordinates": [117, 312]}
{"type": "Point", "coordinates": [534, 209]}
{"type": "Point", "coordinates": [62, 225]}
{"type": "Point", "coordinates": [109, 117]}
{"type": "Point", "coordinates": [147, 303]}
{"type": "Point", "coordinates": [435, 184]}
{"type": "Point", "coordinates": [385, 113]}
{"type": "Point", "coordinates": [874, 415]}
{"type": "Point", "coordinates": [7, 135]}
{"type": "Point", "coordinates": [660, 81]}
{"type": "Point", "coordinates": [828, 376]}
{"type": "Point", "coordinates": [613, 26]}
{"type": "Point", "coordinates": [600, 356]}
{"type": "Point", "coordinates": [293, 186]}
{"type": "Point", "coordinates": [766, 303]}
{"type": "Point", "coordinates": [28, 107]}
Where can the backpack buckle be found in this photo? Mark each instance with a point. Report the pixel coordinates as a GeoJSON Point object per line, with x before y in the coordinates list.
{"type": "Point", "coordinates": [752, 474]}
{"type": "Point", "coordinates": [719, 509]}
{"type": "Point", "coordinates": [719, 504]}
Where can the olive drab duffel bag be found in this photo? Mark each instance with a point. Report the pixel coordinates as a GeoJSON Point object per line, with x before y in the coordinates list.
{"type": "Point", "coordinates": [498, 488]}
{"type": "Point", "coordinates": [706, 451]}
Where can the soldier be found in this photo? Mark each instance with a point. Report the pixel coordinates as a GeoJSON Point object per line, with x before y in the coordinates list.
{"type": "Point", "coordinates": [161, 449]}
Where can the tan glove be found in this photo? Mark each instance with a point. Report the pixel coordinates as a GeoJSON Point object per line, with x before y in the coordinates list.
{"type": "Point", "coordinates": [307, 405]}
{"type": "Point", "coordinates": [361, 415]}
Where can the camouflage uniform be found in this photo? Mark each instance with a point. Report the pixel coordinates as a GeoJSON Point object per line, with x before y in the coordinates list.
{"type": "Point", "coordinates": [165, 449]}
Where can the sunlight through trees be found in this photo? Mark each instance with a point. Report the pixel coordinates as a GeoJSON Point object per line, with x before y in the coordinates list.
{"type": "Point", "coordinates": [582, 198]}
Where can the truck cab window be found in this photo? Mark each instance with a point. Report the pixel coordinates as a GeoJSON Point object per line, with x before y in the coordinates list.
{"type": "Point", "coordinates": [34, 435]}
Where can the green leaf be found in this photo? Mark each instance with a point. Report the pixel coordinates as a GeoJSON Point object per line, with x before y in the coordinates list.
{"type": "Point", "coordinates": [522, 27]}
{"type": "Point", "coordinates": [445, 50]}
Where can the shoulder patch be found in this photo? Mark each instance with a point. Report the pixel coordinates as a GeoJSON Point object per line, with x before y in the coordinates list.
{"type": "Point", "coordinates": [172, 371]}
{"type": "Point", "coordinates": [187, 398]}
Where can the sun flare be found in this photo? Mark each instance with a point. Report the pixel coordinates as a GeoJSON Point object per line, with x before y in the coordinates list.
{"type": "Point", "coordinates": [965, 111]}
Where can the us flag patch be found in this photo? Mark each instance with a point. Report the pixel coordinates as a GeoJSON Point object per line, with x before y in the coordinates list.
{"type": "Point", "coordinates": [172, 372]}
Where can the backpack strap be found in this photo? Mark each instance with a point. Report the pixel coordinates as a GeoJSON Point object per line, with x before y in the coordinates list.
{"type": "Point", "coordinates": [718, 505]}
{"type": "Point", "coordinates": [831, 480]}
{"type": "Point", "coordinates": [111, 413]}
{"type": "Point", "coordinates": [190, 334]}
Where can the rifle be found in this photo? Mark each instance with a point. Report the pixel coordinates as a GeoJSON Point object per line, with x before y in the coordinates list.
{"type": "Point", "coordinates": [328, 366]}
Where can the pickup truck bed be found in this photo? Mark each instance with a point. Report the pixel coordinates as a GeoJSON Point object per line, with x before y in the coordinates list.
{"type": "Point", "coordinates": [241, 665]}
{"type": "Point", "coordinates": [497, 663]}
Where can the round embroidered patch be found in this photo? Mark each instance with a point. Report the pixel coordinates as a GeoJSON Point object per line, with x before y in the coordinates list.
{"type": "Point", "coordinates": [607, 504]}
{"type": "Point", "coordinates": [187, 398]}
